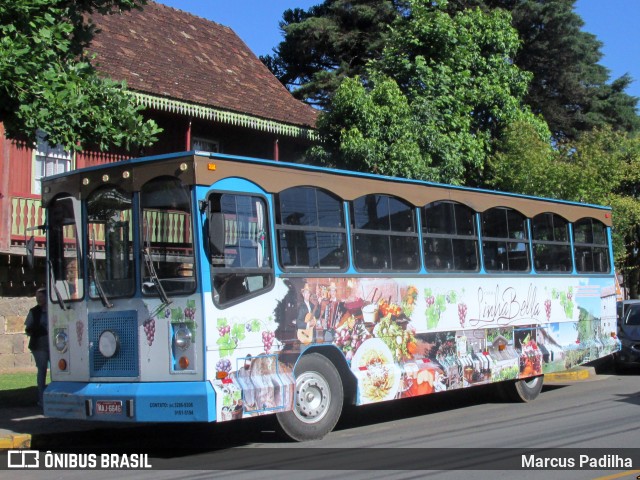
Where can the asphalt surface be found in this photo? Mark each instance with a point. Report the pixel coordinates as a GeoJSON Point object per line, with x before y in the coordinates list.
{"type": "Point", "coordinates": [18, 425]}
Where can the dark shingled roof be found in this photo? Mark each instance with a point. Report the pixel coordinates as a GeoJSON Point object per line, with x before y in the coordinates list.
{"type": "Point", "coordinates": [170, 53]}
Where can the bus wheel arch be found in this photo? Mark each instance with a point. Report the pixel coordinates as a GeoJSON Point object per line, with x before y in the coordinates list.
{"type": "Point", "coordinates": [525, 390]}
{"type": "Point", "coordinates": [318, 398]}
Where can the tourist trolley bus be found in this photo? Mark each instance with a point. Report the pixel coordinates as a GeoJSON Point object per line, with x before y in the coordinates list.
{"type": "Point", "coordinates": [199, 287]}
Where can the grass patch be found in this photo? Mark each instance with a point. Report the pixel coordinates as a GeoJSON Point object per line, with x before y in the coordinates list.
{"type": "Point", "coordinates": [18, 389]}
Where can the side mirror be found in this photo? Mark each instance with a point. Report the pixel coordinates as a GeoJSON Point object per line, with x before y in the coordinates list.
{"type": "Point", "coordinates": [216, 234]}
{"type": "Point", "coordinates": [30, 245]}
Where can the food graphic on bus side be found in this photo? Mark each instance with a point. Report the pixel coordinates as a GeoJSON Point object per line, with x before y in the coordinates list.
{"type": "Point", "coordinates": [409, 301]}
{"type": "Point", "coordinates": [349, 339]}
{"type": "Point", "coordinates": [530, 358]}
{"type": "Point", "coordinates": [223, 365]}
{"type": "Point", "coordinates": [230, 335]}
{"type": "Point", "coordinates": [462, 313]}
{"type": "Point", "coordinates": [547, 308]}
{"type": "Point", "coordinates": [400, 341]}
{"type": "Point", "coordinates": [566, 300]}
{"type": "Point", "coordinates": [267, 340]}
{"type": "Point", "coordinates": [378, 375]}
{"type": "Point", "coordinates": [149, 326]}
{"type": "Point", "coordinates": [79, 331]}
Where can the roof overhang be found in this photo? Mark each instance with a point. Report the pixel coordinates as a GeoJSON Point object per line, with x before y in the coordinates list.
{"type": "Point", "coordinates": [224, 116]}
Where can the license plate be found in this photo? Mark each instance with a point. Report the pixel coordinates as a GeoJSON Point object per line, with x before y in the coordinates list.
{"type": "Point", "coordinates": [109, 406]}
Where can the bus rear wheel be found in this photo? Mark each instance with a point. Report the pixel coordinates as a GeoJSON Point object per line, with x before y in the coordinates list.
{"type": "Point", "coordinates": [318, 400]}
{"type": "Point", "coordinates": [522, 390]}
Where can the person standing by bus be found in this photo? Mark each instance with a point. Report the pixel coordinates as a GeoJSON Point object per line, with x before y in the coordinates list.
{"type": "Point", "coordinates": [36, 327]}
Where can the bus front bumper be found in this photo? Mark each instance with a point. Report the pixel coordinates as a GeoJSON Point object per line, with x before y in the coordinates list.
{"type": "Point", "coordinates": [131, 402]}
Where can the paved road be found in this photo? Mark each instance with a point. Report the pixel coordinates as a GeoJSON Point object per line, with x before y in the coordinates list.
{"type": "Point", "coordinates": [600, 412]}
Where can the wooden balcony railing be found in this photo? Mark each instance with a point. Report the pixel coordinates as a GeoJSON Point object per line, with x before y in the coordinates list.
{"type": "Point", "coordinates": [26, 213]}
{"type": "Point", "coordinates": [169, 228]}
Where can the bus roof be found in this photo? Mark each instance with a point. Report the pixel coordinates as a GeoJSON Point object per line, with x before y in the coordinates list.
{"type": "Point", "coordinates": [206, 168]}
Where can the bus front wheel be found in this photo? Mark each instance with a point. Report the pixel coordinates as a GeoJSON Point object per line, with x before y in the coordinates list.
{"type": "Point", "coordinates": [522, 390]}
{"type": "Point", "coordinates": [318, 399]}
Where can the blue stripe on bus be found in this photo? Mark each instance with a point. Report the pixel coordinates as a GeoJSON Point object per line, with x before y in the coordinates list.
{"type": "Point", "coordinates": [152, 402]}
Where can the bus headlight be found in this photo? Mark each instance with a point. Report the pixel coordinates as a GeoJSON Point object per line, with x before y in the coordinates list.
{"type": "Point", "coordinates": [108, 343]}
{"type": "Point", "coordinates": [61, 341]}
{"type": "Point", "coordinates": [182, 337]}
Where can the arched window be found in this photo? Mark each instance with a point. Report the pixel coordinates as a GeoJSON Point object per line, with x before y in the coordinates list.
{"type": "Point", "coordinates": [384, 234]}
{"type": "Point", "coordinates": [239, 246]}
{"type": "Point", "coordinates": [311, 230]}
{"type": "Point", "coordinates": [505, 242]}
{"type": "Point", "coordinates": [590, 246]}
{"type": "Point", "coordinates": [450, 237]}
{"type": "Point", "coordinates": [551, 246]}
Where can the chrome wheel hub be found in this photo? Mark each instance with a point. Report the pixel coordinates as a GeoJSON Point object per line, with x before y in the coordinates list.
{"type": "Point", "coordinates": [313, 397]}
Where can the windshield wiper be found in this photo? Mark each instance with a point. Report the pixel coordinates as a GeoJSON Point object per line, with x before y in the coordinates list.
{"type": "Point", "coordinates": [94, 273]}
{"type": "Point", "coordinates": [154, 277]}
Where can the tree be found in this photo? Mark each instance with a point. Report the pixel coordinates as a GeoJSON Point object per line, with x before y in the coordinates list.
{"type": "Point", "coordinates": [569, 88]}
{"type": "Point", "coordinates": [329, 42]}
{"type": "Point", "coordinates": [460, 91]}
{"type": "Point", "coordinates": [48, 84]}
{"type": "Point", "coordinates": [602, 167]}
{"type": "Point", "coordinates": [372, 129]}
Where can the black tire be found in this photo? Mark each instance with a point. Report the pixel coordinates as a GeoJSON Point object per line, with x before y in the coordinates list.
{"type": "Point", "coordinates": [619, 366]}
{"type": "Point", "coordinates": [318, 400]}
{"type": "Point", "coordinates": [522, 390]}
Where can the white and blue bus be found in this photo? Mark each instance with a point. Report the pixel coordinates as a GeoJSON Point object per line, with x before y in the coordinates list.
{"type": "Point", "coordinates": [199, 287]}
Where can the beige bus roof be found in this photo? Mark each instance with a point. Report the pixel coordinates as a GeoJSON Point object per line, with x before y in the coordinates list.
{"type": "Point", "coordinates": [206, 169]}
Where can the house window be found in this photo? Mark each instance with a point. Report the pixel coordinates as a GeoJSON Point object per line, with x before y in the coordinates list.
{"type": "Point", "coordinates": [205, 145]}
{"type": "Point", "coordinates": [49, 161]}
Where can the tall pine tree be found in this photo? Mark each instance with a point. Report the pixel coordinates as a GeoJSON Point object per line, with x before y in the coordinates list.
{"type": "Point", "coordinates": [329, 42]}
{"type": "Point", "coordinates": [570, 88]}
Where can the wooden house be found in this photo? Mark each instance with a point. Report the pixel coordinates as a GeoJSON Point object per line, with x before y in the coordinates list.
{"type": "Point", "coordinates": [200, 83]}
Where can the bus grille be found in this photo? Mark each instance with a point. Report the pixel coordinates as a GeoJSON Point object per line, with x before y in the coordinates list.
{"type": "Point", "coordinates": [125, 362]}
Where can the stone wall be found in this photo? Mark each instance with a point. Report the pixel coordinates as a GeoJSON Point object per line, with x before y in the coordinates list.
{"type": "Point", "coordinates": [14, 354]}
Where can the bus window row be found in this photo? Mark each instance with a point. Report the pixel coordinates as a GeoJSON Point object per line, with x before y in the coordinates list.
{"type": "Point", "coordinates": [315, 229]}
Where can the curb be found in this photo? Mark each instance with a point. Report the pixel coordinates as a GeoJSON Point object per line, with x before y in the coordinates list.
{"type": "Point", "coordinates": [575, 374]}
{"type": "Point", "coordinates": [10, 440]}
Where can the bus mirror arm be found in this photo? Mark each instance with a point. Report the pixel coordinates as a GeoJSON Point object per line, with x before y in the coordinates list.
{"type": "Point", "coordinates": [216, 233]}
{"type": "Point", "coordinates": [55, 288]}
{"type": "Point", "coordinates": [30, 244]}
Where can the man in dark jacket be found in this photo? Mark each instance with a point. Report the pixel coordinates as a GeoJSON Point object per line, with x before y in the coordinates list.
{"type": "Point", "coordinates": [36, 327]}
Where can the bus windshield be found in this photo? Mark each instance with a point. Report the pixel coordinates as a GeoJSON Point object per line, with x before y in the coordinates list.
{"type": "Point", "coordinates": [64, 249]}
{"type": "Point", "coordinates": [167, 240]}
{"type": "Point", "coordinates": [110, 243]}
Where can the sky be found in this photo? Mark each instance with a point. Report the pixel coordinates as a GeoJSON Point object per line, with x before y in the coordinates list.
{"type": "Point", "coordinates": [613, 22]}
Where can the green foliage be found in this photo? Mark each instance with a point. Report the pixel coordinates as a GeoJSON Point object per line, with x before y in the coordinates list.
{"type": "Point", "coordinates": [329, 42]}
{"type": "Point", "coordinates": [602, 167]}
{"type": "Point", "coordinates": [373, 130]}
{"type": "Point", "coordinates": [570, 89]}
{"type": "Point", "coordinates": [431, 106]}
{"type": "Point", "coordinates": [462, 85]}
{"type": "Point", "coordinates": [48, 83]}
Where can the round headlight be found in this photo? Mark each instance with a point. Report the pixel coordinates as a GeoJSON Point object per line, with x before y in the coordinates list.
{"type": "Point", "coordinates": [182, 337]}
{"type": "Point", "coordinates": [61, 341]}
{"type": "Point", "coordinates": [108, 344]}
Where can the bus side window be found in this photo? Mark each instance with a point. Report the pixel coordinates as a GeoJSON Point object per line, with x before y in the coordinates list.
{"type": "Point", "coordinates": [239, 251]}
